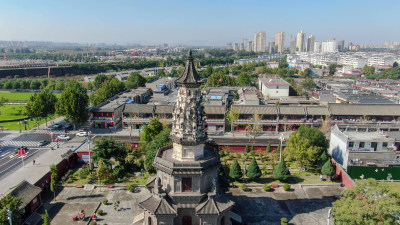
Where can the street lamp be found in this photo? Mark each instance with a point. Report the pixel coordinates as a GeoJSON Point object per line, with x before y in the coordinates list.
{"type": "Point", "coordinates": [9, 215]}
{"type": "Point", "coordinates": [280, 150]}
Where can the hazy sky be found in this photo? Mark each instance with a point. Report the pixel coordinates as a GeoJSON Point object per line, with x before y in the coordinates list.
{"type": "Point", "coordinates": [203, 22]}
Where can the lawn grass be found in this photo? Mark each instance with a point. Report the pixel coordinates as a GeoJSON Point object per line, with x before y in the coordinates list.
{"type": "Point", "coordinates": [20, 96]}
{"type": "Point", "coordinates": [9, 112]}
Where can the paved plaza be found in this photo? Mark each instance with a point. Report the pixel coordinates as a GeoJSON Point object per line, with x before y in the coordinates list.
{"type": "Point", "coordinates": [304, 205]}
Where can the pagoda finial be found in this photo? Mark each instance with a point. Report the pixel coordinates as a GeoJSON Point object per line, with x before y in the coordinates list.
{"type": "Point", "coordinates": [190, 53]}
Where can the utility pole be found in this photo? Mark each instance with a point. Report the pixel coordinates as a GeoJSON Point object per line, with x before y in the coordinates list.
{"type": "Point", "coordinates": [9, 215]}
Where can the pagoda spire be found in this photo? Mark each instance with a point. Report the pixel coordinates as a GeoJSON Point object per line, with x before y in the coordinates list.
{"type": "Point", "coordinates": [189, 77]}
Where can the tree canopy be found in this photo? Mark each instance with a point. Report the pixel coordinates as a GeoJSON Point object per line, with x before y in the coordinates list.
{"type": "Point", "coordinates": [327, 169]}
{"type": "Point", "coordinates": [253, 171]}
{"type": "Point", "coordinates": [13, 204]}
{"type": "Point", "coordinates": [135, 80]}
{"type": "Point", "coordinates": [41, 105]}
{"type": "Point", "coordinates": [151, 148]}
{"type": "Point", "coordinates": [369, 202]}
{"type": "Point", "coordinates": [73, 103]}
{"type": "Point", "coordinates": [235, 172]}
{"type": "Point", "coordinates": [151, 130]}
{"type": "Point", "coordinates": [107, 148]}
{"type": "Point", "coordinates": [107, 90]}
{"type": "Point", "coordinates": [244, 79]}
{"type": "Point", "coordinates": [281, 172]}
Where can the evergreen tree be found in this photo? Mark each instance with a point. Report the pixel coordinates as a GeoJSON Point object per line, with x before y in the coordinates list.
{"type": "Point", "coordinates": [327, 168]}
{"type": "Point", "coordinates": [151, 148]}
{"type": "Point", "coordinates": [253, 171]}
{"type": "Point", "coordinates": [53, 179]}
{"type": "Point", "coordinates": [269, 147]}
{"type": "Point", "coordinates": [151, 130]}
{"type": "Point", "coordinates": [46, 218]}
{"type": "Point", "coordinates": [281, 172]}
{"type": "Point", "coordinates": [102, 171]}
{"type": "Point", "coordinates": [236, 172]}
{"type": "Point", "coordinates": [247, 149]}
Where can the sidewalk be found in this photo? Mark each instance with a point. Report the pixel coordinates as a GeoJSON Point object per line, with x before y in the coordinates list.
{"type": "Point", "coordinates": [33, 173]}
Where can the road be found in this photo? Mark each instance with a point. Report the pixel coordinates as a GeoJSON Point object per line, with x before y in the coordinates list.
{"type": "Point", "coordinates": [12, 161]}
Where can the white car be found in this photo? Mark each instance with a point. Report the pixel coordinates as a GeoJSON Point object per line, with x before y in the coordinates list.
{"type": "Point", "coordinates": [82, 134]}
{"type": "Point", "coordinates": [63, 137]}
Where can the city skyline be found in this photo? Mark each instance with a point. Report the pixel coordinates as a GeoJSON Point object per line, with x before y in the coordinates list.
{"type": "Point", "coordinates": [209, 23]}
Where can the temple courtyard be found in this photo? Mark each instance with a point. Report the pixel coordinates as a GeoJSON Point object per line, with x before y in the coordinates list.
{"type": "Point", "coordinates": [304, 204]}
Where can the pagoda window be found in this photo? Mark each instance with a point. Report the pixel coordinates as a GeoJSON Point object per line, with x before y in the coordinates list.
{"type": "Point", "coordinates": [187, 184]}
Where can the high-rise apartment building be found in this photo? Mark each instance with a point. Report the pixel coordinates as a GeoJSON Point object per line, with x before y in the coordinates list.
{"type": "Point", "coordinates": [229, 46]}
{"type": "Point", "coordinates": [236, 46]}
{"type": "Point", "coordinates": [341, 46]}
{"type": "Point", "coordinates": [329, 46]}
{"type": "Point", "coordinates": [301, 42]}
{"type": "Point", "coordinates": [271, 47]}
{"type": "Point", "coordinates": [249, 46]}
{"type": "Point", "coordinates": [317, 46]}
{"type": "Point", "coordinates": [260, 39]}
{"type": "Point", "coordinates": [310, 43]}
{"type": "Point", "coordinates": [279, 41]}
{"type": "Point", "coordinates": [241, 46]}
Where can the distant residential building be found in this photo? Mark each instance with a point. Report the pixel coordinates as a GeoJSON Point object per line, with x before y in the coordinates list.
{"type": "Point", "coordinates": [301, 42]}
{"type": "Point", "coordinates": [329, 46]}
{"type": "Point", "coordinates": [341, 46]}
{"type": "Point", "coordinates": [310, 43]}
{"type": "Point", "coordinates": [241, 47]}
{"type": "Point", "coordinates": [279, 42]}
{"type": "Point", "coordinates": [236, 46]}
{"type": "Point", "coordinates": [229, 46]}
{"type": "Point", "coordinates": [293, 47]}
{"type": "Point", "coordinates": [317, 47]}
{"type": "Point", "coordinates": [271, 47]}
{"type": "Point", "coordinates": [354, 148]}
{"type": "Point", "coordinates": [272, 65]}
{"type": "Point", "coordinates": [353, 47]}
{"type": "Point", "coordinates": [260, 39]}
{"type": "Point", "coordinates": [273, 87]}
{"type": "Point", "coordinates": [249, 46]}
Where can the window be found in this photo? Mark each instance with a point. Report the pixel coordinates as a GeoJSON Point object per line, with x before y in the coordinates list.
{"type": "Point", "coordinates": [149, 222]}
{"type": "Point", "coordinates": [384, 144]}
{"type": "Point", "coordinates": [187, 184]}
{"type": "Point", "coordinates": [351, 144]}
{"type": "Point", "coordinates": [223, 220]}
{"type": "Point", "coordinates": [362, 144]}
{"type": "Point", "coordinates": [186, 220]}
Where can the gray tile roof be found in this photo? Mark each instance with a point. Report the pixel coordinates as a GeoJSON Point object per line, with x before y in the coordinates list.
{"type": "Point", "coordinates": [365, 109]}
{"type": "Point", "coordinates": [138, 108]}
{"type": "Point", "coordinates": [157, 205]}
{"type": "Point", "coordinates": [292, 110]}
{"type": "Point", "coordinates": [160, 109]}
{"type": "Point", "coordinates": [264, 109]}
{"type": "Point", "coordinates": [317, 110]}
{"type": "Point", "coordinates": [26, 191]}
{"type": "Point", "coordinates": [211, 109]}
{"type": "Point", "coordinates": [214, 205]}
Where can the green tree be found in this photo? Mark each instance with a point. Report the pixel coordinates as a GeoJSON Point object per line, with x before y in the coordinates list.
{"type": "Point", "coordinates": [232, 116]}
{"type": "Point", "coordinates": [395, 64]}
{"type": "Point", "coordinates": [162, 73]}
{"type": "Point", "coordinates": [135, 80]}
{"type": "Point", "coordinates": [368, 70]}
{"type": "Point", "coordinates": [307, 72]}
{"type": "Point", "coordinates": [281, 172]}
{"type": "Point", "coordinates": [53, 179]}
{"type": "Point", "coordinates": [151, 130]}
{"type": "Point", "coordinates": [308, 84]}
{"type": "Point", "coordinates": [284, 221]}
{"type": "Point", "coordinates": [102, 171]}
{"type": "Point", "coordinates": [108, 89]}
{"type": "Point", "coordinates": [41, 105]}
{"type": "Point", "coordinates": [99, 80]}
{"type": "Point", "coordinates": [269, 147]}
{"type": "Point", "coordinates": [46, 218]}
{"type": "Point", "coordinates": [13, 204]}
{"type": "Point", "coordinates": [208, 71]}
{"type": "Point", "coordinates": [107, 148]}
{"type": "Point", "coordinates": [332, 68]}
{"type": "Point", "coordinates": [73, 103]}
{"type": "Point", "coordinates": [369, 202]}
{"type": "Point", "coordinates": [327, 169]}
{"type": "Point", "coordinates": [235, 172]}
{"type": "Point", "coordinates": [244, 79]}
{"type": "Point", "coordinates": [35, 84]}
{"type": "Point", "coordinates": [151, 149]}
{"type": "Point", "coordinates": [253, 171]}
{"type": "Point", "coordinates": [247, 149]}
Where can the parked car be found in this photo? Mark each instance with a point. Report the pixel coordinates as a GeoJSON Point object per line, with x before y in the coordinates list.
{"type": "Point", "coordinates": [57, 126]}
{"type": "Point", "coordinates": [43, 143]}
{"type": "Point", "coordinates": [67, 126]}
{"type": "Point", "coordinates": [63, 137]}
{"type": "Point", "coordinates": [82, 134]}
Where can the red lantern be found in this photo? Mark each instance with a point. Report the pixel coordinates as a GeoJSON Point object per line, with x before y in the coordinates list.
{"type": "Point", "coordinates": [220, 80]}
